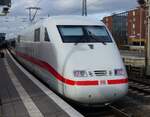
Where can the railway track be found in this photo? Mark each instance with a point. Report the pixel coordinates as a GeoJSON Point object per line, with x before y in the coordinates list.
{"type": "Point", "coordinates": [139, 87]}
{"type": "Point", "coordinates": [106, 111]}
{"type": "Point", "coordinates": [119, 112]}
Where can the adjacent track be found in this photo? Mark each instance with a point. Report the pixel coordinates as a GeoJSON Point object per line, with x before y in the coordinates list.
{"type": "Point", "coordinates": [141, 87]}
{"type": "Point", "coordinates": [119, 112]}
{"type": "Point", "coordinates": [106, 111]}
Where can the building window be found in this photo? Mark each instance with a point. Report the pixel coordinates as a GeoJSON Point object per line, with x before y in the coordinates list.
{"type": "Point", "coordinates": [133, 32]}
{"type": "Point", "coordinates": [133, 26]}
{"type": "Point", "coordinates": [145, 21]}
{"type": "Point", "coordinates": [37, 35]}
{"type": "Point", "coordinates": [18, 38]}
{"type": "Point", "coordinates": [134, 19]}
{"type": "Point", "coordinates": [133, 13]}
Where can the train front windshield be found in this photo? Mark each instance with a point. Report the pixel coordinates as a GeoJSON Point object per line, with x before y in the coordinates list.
{"type": "Point", "coordinates": [84, 34]}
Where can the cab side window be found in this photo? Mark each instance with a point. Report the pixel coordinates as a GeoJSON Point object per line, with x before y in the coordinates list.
{"type": "Point", "coordinates": [18, 38]}
{"type": "Point", "coordinates": [46, 37]}
{"type": "Point", "coordinates": [37, 35]}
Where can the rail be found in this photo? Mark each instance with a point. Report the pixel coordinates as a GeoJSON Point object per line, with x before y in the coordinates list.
{"type": "Point", "coordinates": [119, 112]}
{"type": "Point", "coordinates": [141, 87]}
{"type": "Point", "coordinates": [106, 111]}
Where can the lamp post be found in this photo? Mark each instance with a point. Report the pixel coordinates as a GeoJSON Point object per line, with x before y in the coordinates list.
{"type": "Point", "coordinates": [148, 41]}
{"type": "Point", "coordinates": [5, 4]}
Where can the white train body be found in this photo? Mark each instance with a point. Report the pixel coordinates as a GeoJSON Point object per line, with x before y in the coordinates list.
{"type": "Point", "coordinates": [76, 56]}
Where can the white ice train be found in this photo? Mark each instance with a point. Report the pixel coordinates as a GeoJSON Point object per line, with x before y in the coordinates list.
{"type": "Point", "coordinates": [76, 56]}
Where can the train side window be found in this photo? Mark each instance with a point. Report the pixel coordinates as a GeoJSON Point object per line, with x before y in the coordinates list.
{"type": "Point", "coordinates": [46, 38]}
{"type": "Point", "coordinates": [18, 39]}
{"type": "Point", "coordinates": [37, 35]}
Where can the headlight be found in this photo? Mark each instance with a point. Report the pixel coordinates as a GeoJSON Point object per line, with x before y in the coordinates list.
{"type": "Point", "coordinates": [119, 72]}
{"type": "Point", "coordinates": [80, 73]}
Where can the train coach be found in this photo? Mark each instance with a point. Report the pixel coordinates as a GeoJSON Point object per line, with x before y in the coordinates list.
{"type": "Point", "coordinates": [76, 56]}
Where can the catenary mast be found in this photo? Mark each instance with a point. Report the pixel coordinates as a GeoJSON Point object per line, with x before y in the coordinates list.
{"type": "Point", "coordinates": [84, 8]}
{"type": "Point", "coordinates": [146, 5]}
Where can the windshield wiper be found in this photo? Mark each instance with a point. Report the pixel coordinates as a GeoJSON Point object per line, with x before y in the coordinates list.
{"type": "Point", "coordinates": [81, 39]}
{"type": "Point", "coordinates": [93, 36]}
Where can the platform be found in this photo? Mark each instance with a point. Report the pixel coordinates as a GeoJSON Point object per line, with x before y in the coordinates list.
{"type": "Point", "coordinates": [133, 58]}
{"type": "Point", "coordinates": [21, 97]}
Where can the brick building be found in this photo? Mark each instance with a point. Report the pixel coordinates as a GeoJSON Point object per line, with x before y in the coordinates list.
{"type": "Point", "coordinates": [128, 27]}
{"type": "Point", "coordinates": [108, 22]}
{"type": "Point", "coordinates": [137, 26]}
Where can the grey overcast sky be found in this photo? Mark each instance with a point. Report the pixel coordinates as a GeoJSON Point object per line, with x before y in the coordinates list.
{"type": "Point", "coordinates": [62, 7]}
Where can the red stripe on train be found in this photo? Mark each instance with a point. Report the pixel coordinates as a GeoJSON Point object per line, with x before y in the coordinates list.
{"type": "Point", "coordinates": [49, 68]}
{"type": "Point", "coordinates": [118, 81]}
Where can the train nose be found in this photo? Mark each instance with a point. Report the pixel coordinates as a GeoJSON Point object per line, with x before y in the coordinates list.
{"type": "Point", "coordinates": [97, 78]}
{"type": "Point", "coordinates": [113, 92]}
{"type": "Point", "coordinates": [97, 94]}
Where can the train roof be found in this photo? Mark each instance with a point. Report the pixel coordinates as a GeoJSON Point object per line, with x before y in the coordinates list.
{"type": "Point", "coordinates": [73, 19]}
{"type": "Point", "coordinates": [64, 20]}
